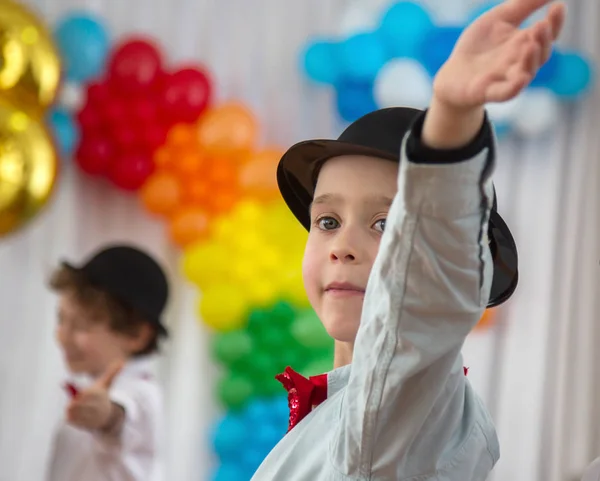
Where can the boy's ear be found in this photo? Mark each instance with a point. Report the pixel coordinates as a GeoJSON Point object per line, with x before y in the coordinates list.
{"type": "Point", "coordinates": [139, 340]}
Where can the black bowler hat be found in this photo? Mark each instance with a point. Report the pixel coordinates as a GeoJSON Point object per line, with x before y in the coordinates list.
{"type": "Point", "coordinates": [132, 277]}
{"type": "Point", "coordinates": [380, 134]}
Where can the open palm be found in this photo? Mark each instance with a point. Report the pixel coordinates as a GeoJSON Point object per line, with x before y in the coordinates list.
{"type": "Point", "coordinates": [494, 59]}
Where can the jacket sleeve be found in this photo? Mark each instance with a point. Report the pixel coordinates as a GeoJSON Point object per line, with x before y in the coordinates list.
{"type": "Point", "coordinates": [407, 402]}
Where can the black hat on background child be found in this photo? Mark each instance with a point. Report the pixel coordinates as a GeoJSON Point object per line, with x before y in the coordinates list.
{"type": "Point", "coordinates": [380, 134]}
{"type": "Point", "coordinates": [131, 276]}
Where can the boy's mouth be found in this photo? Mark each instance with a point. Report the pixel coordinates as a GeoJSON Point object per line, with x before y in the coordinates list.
{"type": "Point", "coordinates": [344, 289]}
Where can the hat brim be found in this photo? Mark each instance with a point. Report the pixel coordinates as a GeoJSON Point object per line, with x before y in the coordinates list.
{"type": "Point", "coordinates": [153, 320]}
{"type": "Point", "coordinates": [295, 178]}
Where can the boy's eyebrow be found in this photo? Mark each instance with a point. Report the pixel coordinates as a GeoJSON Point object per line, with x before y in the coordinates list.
{"type": "Point", "coordinates": [333, 198]}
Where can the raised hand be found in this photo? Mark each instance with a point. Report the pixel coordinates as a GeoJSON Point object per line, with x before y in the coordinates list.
{"type": "Point", "coordinates": [494, 59]}
{"type": "Point", "coordinates": [92, 408]}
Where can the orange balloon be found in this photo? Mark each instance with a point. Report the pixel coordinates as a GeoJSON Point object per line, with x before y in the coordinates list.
{"type": "Point", "coordinates": [164, 158]}
{"type": "Point", "coordinates": [181, 135]}
{"type": "Point", "coordinates": [188, 225]}
{"type": "Point", "coordinates": [189, 162]}
{"type": "Point", "coordinates": [222, 200]}
{"type": "Point", "coordinates": [196, 191]}
{"type": "Point", "coordinates": [222, 172]}
{"type": "Point", "coordinates": [258, 177]}
{"type": "Point", "coordinates": [228, 130]}
{"type": "Point", "coordinates": [162, 193]}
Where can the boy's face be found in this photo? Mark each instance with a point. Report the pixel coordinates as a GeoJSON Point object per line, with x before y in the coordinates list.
{"type": "Point", "coordinates": [352, 198]}
{"type": "Point", "coordinates": [89, 345]}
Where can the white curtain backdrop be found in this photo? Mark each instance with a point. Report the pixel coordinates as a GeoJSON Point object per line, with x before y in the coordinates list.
{"type": "Point", "coordinates": [538, 368]}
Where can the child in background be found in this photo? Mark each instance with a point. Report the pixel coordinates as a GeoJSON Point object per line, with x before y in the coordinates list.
{"type": "Point", "coordinates": [109, 326]}
{"type": "Point", "coordinates": [405, 251]}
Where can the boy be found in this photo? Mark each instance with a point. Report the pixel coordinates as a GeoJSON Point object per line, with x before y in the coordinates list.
{"type": "Point", "coordinates": [400, 263]}
{"type": "Point", "coordinates": [109, 323]}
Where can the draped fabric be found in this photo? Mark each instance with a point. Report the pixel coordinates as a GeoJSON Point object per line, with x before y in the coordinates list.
{"type": "Point", "coordinates": [537, 368]}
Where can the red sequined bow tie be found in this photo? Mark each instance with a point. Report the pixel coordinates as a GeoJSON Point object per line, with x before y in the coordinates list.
{"type": "Point", "coordinates": [303, 394]}
{"type": "Point", "coordinates": [306, 394]}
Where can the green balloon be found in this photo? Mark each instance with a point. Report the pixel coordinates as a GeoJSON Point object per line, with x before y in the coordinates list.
{"type": "Point", "coordinates": [274, 339]}
{"type": "Point", "coordinates": [258, 321]}
{"type": "Point", "coordinates": [235, 390]}
{"type": "Point", "coordinates": [229, 347]}
{"type": "Point", "coordinates": [316, 367]}
{"type": "Point", "coordinates": [309, 332]}
{"type": "Point", "coordinates": [283, 313]}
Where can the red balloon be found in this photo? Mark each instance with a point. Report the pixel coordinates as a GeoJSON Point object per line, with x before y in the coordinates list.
{"type": "Point", "coordinates": [143, 110]}
{"type": "Point", "coordinates": [185, 94]}
{"type": "Point", "coordinates": [135, 67]}
{"type": "Point", "coordinates": [89, 118]}
{"type": "Point", "coordinates": [94, 154]}
{"type": "Point", "coordinates": [154, 135]}
{"type": "Point", "coordinates": [130, 170]}
{"type": "Point", "coordinates": [114, 112]}
{"type": "Point", "coordinates": [98, 94]}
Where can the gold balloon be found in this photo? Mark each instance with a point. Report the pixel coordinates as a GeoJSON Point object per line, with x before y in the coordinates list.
{"type": "Point", "coordinates": [29, 61]}
{"type": "Point", "coordinates": [28, 167]}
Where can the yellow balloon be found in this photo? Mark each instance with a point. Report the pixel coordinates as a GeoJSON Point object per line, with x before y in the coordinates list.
{"type": "Point", "coordinates": [28, 167]}
{"type": "Point", "coordinates": [29, 61]}
{"type": "Point", "coordinates": [224, 307]}
{"type": "Point", "coordinates": [205, 264]}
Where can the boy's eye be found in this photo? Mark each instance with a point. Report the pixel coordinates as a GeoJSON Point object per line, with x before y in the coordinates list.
{"type": "Point", "coordinates": [380, 225]}
{"type": "Point", "coordinates": [328, 223]}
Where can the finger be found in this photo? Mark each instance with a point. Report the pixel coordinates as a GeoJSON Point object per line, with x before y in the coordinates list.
{"type": "Point", "coordinates": [556, 17]}
{"type": "Point", "coordinates": [107, 378]}
{"type": "Point", "coordinates": [517, 11]}
{"type": "Point", "coordinates": [530, 61]}
{"type": "Point", "coordinates": [508, 89]}
{"type": "Point", "coordinates": [543, 37]}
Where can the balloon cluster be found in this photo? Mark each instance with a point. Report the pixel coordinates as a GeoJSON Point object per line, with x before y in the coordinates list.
{"type": "Point", "coordinates": [251, 257]}
{"type": "Point", "coordinates": [127, 115]}
{"type": "Point", "coordinates": [394, 64]}
{"type": "Point", "coordinates": [272, 338]}
{"type": "Point", "coordinates": [203, 169]}
{"type": "Point", "coordinates": [29, 78]}
{"type": "Point", "coordinates": [243, 439]}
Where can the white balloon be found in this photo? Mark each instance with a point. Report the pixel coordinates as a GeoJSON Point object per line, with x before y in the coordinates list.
{"type": "Point", "coordinates": [539, 111]}
{"type": "Point", "coordinates": [403, 82]}
{"type": "Point", "coordinates": [504, 112]}
{"type": "Point", "coordinates": [357, 18]}
{"type": "Point", "coordinates": [71, 97]}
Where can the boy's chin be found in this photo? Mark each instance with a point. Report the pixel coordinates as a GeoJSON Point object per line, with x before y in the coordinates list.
{"type": "Point", "coordinates": [341, 324]}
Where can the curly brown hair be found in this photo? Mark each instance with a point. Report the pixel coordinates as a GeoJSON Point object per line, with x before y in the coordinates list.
{"type": "Point", "coordinates": [123, 318]}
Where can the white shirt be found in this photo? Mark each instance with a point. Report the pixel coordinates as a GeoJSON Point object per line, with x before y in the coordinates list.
{"type": "Point", "coordinates": [80, 455]}
{"type": "Point", "coordinates": [404, 410]}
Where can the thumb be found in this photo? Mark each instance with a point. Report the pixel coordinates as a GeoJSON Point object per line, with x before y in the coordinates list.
{"type": "Point", "coordinates": [108, 376]}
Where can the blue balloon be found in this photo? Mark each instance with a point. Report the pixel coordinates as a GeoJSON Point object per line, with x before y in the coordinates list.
{"type": "Point", "coordinates": [280, 411]}
{"type": "Point", "coordinates": [572, 77]}
{"type": "Point", "coordinates": [547, 72]}
{"type": "Point", "coordinates": [252, 458]}
{"type": "Point", "coordinates": [362, 55]}
{"type": "Point", "coordinates": [320, 62]}
{"type": "Point", "coordinates": [231, 435]}
{"type": "Point", "coordinates": [354, 99]}
{"type": "Point", "coordinates": [83, 43]}
{"type": "Point", "coordinates": [404, 26]}
{"type": "Point", "coordinates": [258, 412]}
{"type": "Point", "coordinates": [437, 47]}
{"type": "Point", "coordinates": [231, 472]}
{"type": "Point", "coordinates": [65, 130]}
